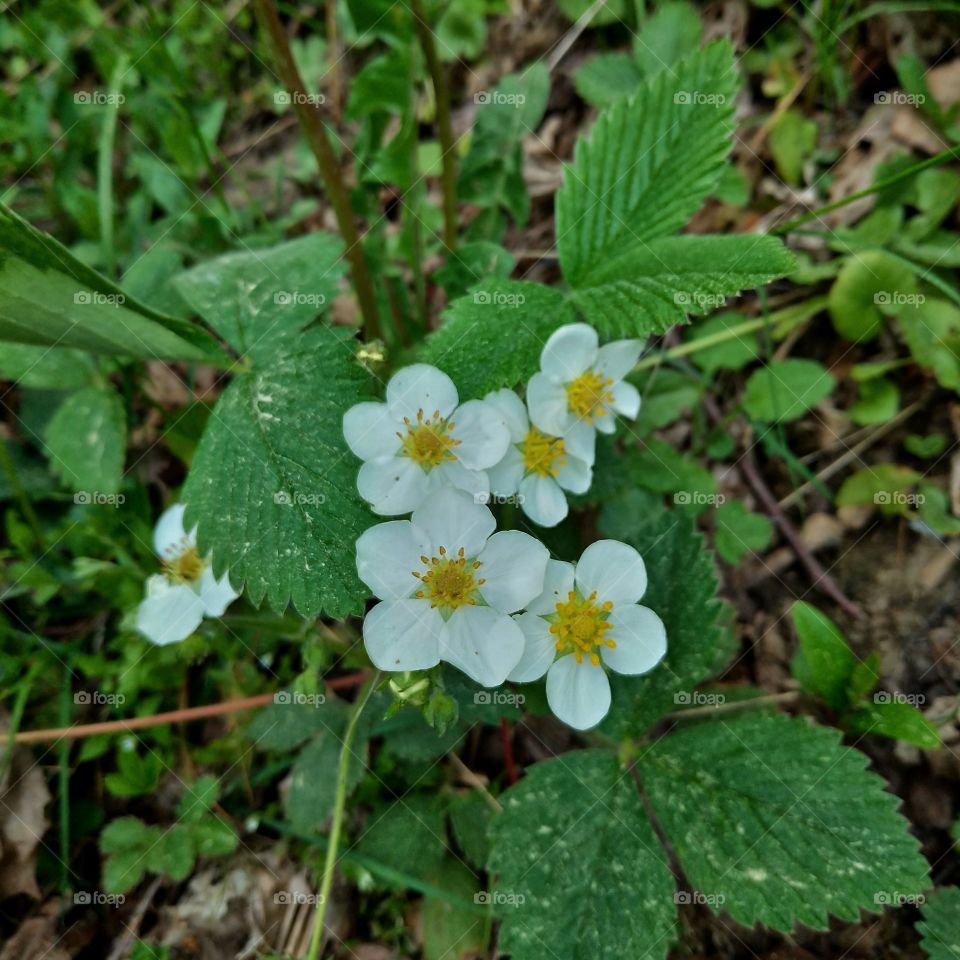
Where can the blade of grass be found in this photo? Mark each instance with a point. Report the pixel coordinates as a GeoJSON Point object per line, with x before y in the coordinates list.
{"type": "Point", "coordinates": [108, 133]}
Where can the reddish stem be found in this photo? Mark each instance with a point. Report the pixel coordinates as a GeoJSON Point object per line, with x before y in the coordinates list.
{"type": "Point", "coordinates": [506, 740]}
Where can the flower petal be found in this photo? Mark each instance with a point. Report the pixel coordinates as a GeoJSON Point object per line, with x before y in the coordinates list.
{"type": "Point", "coordinates": [371, 431]}
{"type": "Point", "coordinates": [452, 519]}
{"type": "Point", "coordinates": [455, 474]}
{"type": "Point", "coordinates": [617, 359]}
{"type": "Point", "coordinates": [626, 400]}
{"type": "Point", "coordinates": [168, 614]}
{"type": "Point", "coordinates": [420, 387]}
{"type": "Point", "coordinates": [484, 644]}
{"type": "Point", "coordinates": [513, 410]}
{"type": "Point", "coordinates": [570, 350]}
{"type": "Point", "coordinates": [547, 401]}
{"type": "Point", "coordinates": [392, 485]}
{"type": "Point", "coordinates": [542, 500]}
{"type": "Point", "coordinates": [557, 584]}
{"type": "Point", "coordinates": [216, 595]}
{"type": "Point", "coordinates": [539, 649]}
{"type": "Point", "coordinates": [169, 537]}
{"type": "Point", "coordinates": [403, 635]}
{"type": "Point", "coordinates": [513, 565]}
{"type": "Point", "coordinates": [640, 637]}
{"type": "Point", "coordinates": [505, 477]}
{"type": "Point", "coordinates": [482, 433]}
{"type": "Point", "coordinates": [387, 556]}
{"type": "Point", "coordinates": [605, 422]}
{"type": "Point", "coordinates": [580, 441]}
{"type": "Point", "coordinates": [578, 693]}
{"type": "Point", "coordinates": [614, 570]}
{"type": "Point", "coordinates": [575, 475]}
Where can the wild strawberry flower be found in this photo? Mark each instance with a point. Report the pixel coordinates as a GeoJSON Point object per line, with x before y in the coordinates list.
{"type": "Point", "coordinates": [585, 622]}
{"type": "Point", "coordinates": [580, 387]}
{"type": "Point", "coordinates": [536, 467]}
{"type": "Point", "coordinates": [447, 589]}
{"type": "Point", "coordinates": [421, 440]}
{"type": "Point", "coordinates": [187, 591]}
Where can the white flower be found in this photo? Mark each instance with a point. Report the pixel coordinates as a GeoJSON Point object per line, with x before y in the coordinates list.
{"type": "Point", "coordinates": [420, 441]}
{"type": "Point", "coordinates": [588, 621]}
{"type": "Point", "coordinates": [448, 588]}
{"type": "Point", "coordinates": [580, 386]}
{"type": "Point", "coordinates": [536, 466]}
{"type": "Point", "coordinates": [187, 591]}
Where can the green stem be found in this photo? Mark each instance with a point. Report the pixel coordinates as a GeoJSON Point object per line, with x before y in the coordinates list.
{"type": "Point", "coordinates": [108, 134]}
{"type": "Point", "coordinates": [441, 90]}
{"type": "Point", "coordinates": [318, 140]}
{"type": "Point", "coordinates": [934, 161]}
{"type": "Point", "coordinates": [343, 769]}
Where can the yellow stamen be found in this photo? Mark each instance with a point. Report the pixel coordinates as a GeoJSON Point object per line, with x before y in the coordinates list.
{"type": "Point", "coordinates": [449, 582]}
{"type": "Point", "coordinates": [581, 625]}
{"type": "Point", "coordinates": [429, 441]}
{"type": "Point", "coordinates": [589, 395]}
{"type": "Point", "coordinates": [542, 453]}
{"type": "Point", "coordinates": [185, 567]}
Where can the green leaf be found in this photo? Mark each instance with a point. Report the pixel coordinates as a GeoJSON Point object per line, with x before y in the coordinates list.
{"type": "Point", "coordinates": [86, 440]}
{"type": "Point", "coordinates": [606, 78]}
{"type": "Point", "coordinates": [697, 643]}
{"type": "Point", "coordinates": [272, 484]}
{"type": "Point", "coordinates": [126, 842]}
{"type": "Point", "coordinates": [738, 531]}
{"type": "Point", "coordinates": [213, 837]}
{"type": "Point", "coordinates": [895, 719]}
{"type": "Point", "coordinates": [884, 485]}
{"type": "Point", "coordinates": [926, 447]}
{"type": "Point", "coordinates": [407, 835]}
{"type": "Point", "coordinates": [793, 139]}
{"type": "Point", "coordinates": [470, 816]}
{"type": "Point", "coordinates": [786, 389]}
{"type": "Point", "coordinates": [661, 467]}
{"type": "Point", "coordinates": [731, 354]}
{"type": "Point", "coordinates": [870, 284]}
{"type": "Point", "coordinates": [611, 11]}
{"type": "Point", "coordinates": [48, 297]}
{"type": "Point", "coordinates": [647, 286]}
{"type": "Point", "coordinates": [668, 36]}
{"type": "Point", "coordinates": [824, 662]}
{"type": "Point", "coordinates": [198, 798]}
{"type": "Point", "coordinates": [647, 164]}
{"type": "Point", "coordinates": [667, 395]}
{"type": "Point", "coordinates": [287, 722]}
{"type": "Point", "coordinates": [878, 400]}
{"type": "Point", "coordinates": [932, 332]}
{"type": "Point", "coordinates": [579, 817]}
{"type": "Point", "coordinates": [864, 678]}
{"type": "Point", "coordinates": [174, 853]}
{"type": "Point", "coordinates": [493, 336]}
{"type": "Point", "coordinates": [452, 932]}
{"type": "Point", "coordinates": [52, 368]}
{"type": "Point", "coordinates": [779, 836]}
{"type": "Point", "coordinates": [940, 927]}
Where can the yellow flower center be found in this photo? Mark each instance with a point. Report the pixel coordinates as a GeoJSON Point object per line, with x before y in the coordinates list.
{"type": "Point", "coordinates": [542, 453]}
{"type": "Point", "coordinates": [589, 394]}
{"type": "Point", "coordinates": [449, 582]}
{"type": "Point", "coordinates": [186, 567]}
{"type": "Point", "coordinates": [580, 626]}
{"type": "Point", "coordinates": [428, 441]}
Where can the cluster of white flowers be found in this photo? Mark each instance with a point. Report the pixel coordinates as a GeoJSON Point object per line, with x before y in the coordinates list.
{"type": "Point", "coordinates": [495, 605]}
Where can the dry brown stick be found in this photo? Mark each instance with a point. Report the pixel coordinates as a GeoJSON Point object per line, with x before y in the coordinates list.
{"type": "Point", "coordinates": [821, 580]}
